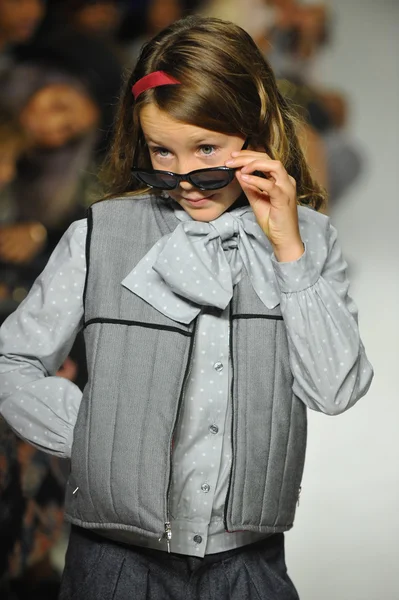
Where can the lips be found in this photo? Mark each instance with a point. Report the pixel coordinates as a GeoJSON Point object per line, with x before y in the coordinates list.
{"type": "Point", "coordinates": [197, 199]}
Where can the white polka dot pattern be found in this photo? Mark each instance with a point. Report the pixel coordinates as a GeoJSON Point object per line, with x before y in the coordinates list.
{"type": "Point", "coordinates": [35, 340]}
{"type": "Point", "coordinates": [327, 358]}
{"type": "Point", "coordinates": [199, 263]}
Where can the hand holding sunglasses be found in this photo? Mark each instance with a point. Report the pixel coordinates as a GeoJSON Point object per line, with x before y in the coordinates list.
{"type": "Point", "coordinates": [273, 200]}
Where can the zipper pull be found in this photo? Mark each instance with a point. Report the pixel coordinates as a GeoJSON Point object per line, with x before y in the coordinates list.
{"type": "Point", "coordinates": [167, 535]}
{"type": "Point", "coordinates": [299, 495]}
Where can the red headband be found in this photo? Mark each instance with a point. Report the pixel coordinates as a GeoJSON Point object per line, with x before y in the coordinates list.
{"type": "Point", "coordinates": [151, 81]}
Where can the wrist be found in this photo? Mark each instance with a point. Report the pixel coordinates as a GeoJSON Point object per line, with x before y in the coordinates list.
{"type": "Point", "coordinates": [289, 253]}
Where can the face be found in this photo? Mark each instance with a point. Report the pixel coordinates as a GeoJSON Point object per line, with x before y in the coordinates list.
{"type": "Point", "coordinates": [19, 19]}
{"type": "Point", "coordinates": [57, 114]}
{"type": "Point", "coordinates": [161, 13]}
{"type": "Point", "coordinates": [99, 18]}
{"type": "Point", "coordinates": [181, 148]}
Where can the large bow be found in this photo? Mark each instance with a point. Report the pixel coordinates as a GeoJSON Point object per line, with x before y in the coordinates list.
{"type": "Point", "coordinates": [199, 263]}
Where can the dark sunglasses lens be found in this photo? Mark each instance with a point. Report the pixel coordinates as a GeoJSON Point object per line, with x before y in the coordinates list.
{"type": "Point", "coordinates": [212, 179]}
{"type": "Point", "coordinates": [161, 181]}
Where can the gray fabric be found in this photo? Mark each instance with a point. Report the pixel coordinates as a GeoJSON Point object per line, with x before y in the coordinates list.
{"type": "Point", "coordinates": [96, 569]}
{"type": "Point", "coordinates": [35, 340]}
{"type": "Point", "coordinates": [199, 263]}
{"type": "Point", "coordinates": [326, 360]}
{"type": "Point", "coordinates": [123, 479]}
{"type": "Point", "coordinates": [202, 453]}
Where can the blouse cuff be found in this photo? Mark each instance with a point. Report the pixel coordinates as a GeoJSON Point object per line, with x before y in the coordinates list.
{"type": "Point", "coordinates": [297, 275]}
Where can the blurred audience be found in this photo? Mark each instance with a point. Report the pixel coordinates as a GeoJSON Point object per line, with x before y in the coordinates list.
{"type": "Point", "coordinates": [31, 518]}
{"type": "Point", "coordinates": [101, 18]}
{"type": "Point", "coordinates": [63, 97]}
{"type": "Point", "coordinates": [13, 142]}
{"type": "Point", "coordinates": [19, 20]}
{"type": "Point", "coordinates": [154, 16]}
{"type": "Point", "coordinates": [298, 35]}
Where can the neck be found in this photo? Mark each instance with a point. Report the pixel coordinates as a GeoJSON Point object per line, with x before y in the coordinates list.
{"type": "Point", "coordinates": [240, 202]}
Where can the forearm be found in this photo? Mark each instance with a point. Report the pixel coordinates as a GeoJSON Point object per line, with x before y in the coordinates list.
{"type": "Point", "coordinates": [328, 361]}
{"type": "Point", "coordinates": [39, 408]}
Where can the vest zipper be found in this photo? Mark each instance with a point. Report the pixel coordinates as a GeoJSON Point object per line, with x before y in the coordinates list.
{"type": "Point", "coordinates": [167, 533]}
{"type": "Point", "coordinates": [232, 418]}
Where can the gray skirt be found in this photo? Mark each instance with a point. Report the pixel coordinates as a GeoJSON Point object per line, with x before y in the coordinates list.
{"type": "Point", "coordinates": [100, 569]}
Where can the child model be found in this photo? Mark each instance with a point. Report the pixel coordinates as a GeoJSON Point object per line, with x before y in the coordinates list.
{"type": "Point", "coordinates": [215, 311]}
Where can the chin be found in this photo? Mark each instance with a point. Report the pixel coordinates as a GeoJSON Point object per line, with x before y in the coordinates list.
{"type": "Point", "coordinates": [205, 214]}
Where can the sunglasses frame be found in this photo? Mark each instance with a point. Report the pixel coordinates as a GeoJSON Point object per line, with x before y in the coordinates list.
{"type": "Point", "coordinates": [187, 176]}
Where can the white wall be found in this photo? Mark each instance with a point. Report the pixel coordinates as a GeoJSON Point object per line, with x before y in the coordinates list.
{"type": "Point", "coordinates": [345, 542]}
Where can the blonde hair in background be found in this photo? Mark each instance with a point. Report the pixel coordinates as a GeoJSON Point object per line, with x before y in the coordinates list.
{"type": "Point", "coordinates": [257, 18]}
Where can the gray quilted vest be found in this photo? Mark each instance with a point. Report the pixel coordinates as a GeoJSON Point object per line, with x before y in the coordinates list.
{"type": "Point", "coordinates": [138, 362]}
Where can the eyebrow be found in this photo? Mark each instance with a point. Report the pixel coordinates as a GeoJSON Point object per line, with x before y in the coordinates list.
{"type": "Point", "coordinates": [194, 141]}
{"type": "Point", "coordinates": [151, 141]}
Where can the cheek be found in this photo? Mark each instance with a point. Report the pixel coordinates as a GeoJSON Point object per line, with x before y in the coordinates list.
{"type": "Point", "coordinates": [174, 194]}
{"type": "Point", "coordinates": [232, 191]}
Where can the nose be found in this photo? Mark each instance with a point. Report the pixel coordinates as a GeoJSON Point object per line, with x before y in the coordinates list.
{"type": "Point", "coordinates": [186, 166]}
{"type": "Point", "coordinates": [186, 185]}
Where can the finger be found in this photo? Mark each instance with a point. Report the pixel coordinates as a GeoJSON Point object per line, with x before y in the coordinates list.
{"type": "Point", "coordinates": [272, 167]}
{"type": "Point", "coordinates": [268, 186]}
{"type": "Point", "coordinates": [258, 183]}
{"type": "Point", "coordinates": [255, 153]}
{"type": "Point", "coordinates": [242, 160]}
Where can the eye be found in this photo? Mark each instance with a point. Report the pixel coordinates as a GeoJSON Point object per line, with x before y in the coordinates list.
{"type": "Point", "coordinates": [160, 152]}
{"type": "Point", "coordinates": [207, 149]}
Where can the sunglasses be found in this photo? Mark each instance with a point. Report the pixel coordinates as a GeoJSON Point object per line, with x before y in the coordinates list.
{"type": "Point", "coordinates": [214, 178]}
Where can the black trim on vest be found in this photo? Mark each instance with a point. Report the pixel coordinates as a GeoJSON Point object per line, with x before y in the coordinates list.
{"type": "Point", "coordinates": [187, 372]}
{"type": "Point", "coordinates": [138, 324]}
{"type": "Point", "coordinates": [249, 316]}
{"type": "Point", "coordinates": [88, 243]}
{"type": "Point", "coordinates": [232, 423]}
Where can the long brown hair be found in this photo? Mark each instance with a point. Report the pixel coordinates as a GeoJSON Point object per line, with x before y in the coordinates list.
{"type": "Point", "coordinates": [226, 86]}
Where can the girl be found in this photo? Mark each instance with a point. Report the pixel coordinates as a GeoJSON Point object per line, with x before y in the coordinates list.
{"type": "Point", "coordinates": [215, 311]}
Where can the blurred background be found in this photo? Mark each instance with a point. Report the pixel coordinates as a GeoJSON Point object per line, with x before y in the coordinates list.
{"type": "Point", "coordinates": [62, 63]}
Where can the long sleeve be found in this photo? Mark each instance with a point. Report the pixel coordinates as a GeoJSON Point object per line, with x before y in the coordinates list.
{"type": "Point", "coordinates": [327, 357]}
{"type": "Point", "coordinates": [35, 340]}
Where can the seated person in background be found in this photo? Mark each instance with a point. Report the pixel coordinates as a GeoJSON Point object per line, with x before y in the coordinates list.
{"type": "Point", "coordinates": [13, 142]}
{"type": "Point", "coordinates": [60, 118]}
{"type": "Point", "coordinates": [155, 15]}
{"type": "Point", "coordinates": [65, 104]}
{"type": "Point", "coordinates": [19, 20]}
{"type": "Point", "coordinates": [31, 518]}
{"type": "Point", "coordinates": [101, 17]}
{"type": "Point", "coordinates": [296, 36]}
